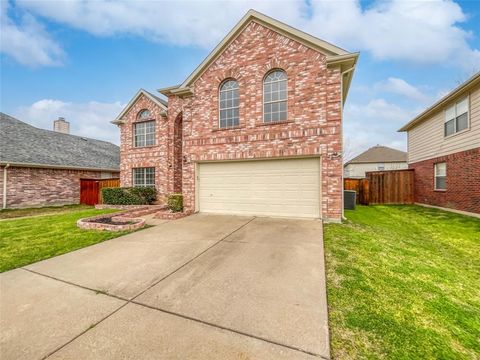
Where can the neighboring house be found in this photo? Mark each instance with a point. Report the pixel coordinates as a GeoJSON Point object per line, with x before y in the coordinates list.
{"type": "Point", "coordinates": [377, 158]}
{"type": "Point", "coordinates": [255, 129]}
{"type": "Point", "coordinates": [444, 150]}
{"type": "Point", "coordinates": [41, 167]}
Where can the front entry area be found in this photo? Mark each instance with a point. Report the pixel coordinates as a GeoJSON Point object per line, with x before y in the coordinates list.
{"type": "Point", "coordinates": [286, 187]}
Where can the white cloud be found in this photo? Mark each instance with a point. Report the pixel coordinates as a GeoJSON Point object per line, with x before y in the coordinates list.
{"type": "Point", "coordinates": [28, 42]}
{"type": "Point", "coordinates": [422, 32]}
{"type": "Point", "coordinates": [375, 122]}
{"type": "Point", "coordinates": [198, 23]}
{"type": "Point", "coordinates": [401, 87]}
{"type": "Point", "coordinates": [91, 119]}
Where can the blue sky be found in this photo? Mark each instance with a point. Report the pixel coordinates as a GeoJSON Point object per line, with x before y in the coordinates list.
{"type": "Point", "coordinates": [84, 60]}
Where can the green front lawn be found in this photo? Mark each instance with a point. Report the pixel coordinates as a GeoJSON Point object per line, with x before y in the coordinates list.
{"type": "Point", "coordinates": [404, 283]}
{"type": "Point", "coordinates": [46, 210]}
{"type": "Point", "coordinates": [27, 240]}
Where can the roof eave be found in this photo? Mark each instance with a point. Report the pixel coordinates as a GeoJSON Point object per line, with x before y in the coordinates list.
{"type": "Point", "coordinates": [375, 162]}
{"type": "Point", "coordinates": [467, 85]}
{"type": "Point", "coordinates": [183, 91]}
{"type": "Point", "coordinates": [119, 119]}
{"type": "Point", "coordinates": [176, 90]}
{"type": "Point", "coordinates": [347, 64]}
{"type": "Point", "coordinates": [168, 90]}
{"type": "Point", "coordinates": [50, 166]}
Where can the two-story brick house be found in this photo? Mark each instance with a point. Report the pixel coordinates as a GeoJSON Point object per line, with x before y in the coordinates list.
{"type": "Point", "coordinates": [255, 129]}
{"type": "Point", "coordinates": [444, 150]}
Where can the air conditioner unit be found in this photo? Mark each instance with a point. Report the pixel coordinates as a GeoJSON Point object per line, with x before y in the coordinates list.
{"type": "Point", "coordinates": [349, 199]}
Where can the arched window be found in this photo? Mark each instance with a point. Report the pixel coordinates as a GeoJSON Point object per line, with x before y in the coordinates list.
{"type": "Point", "coordinates": [229, 104]}
{"type": "Point", "coordinates": [144, 129]}
{"type": "Point", "coordinates": [275, 96]}
{"type": "Point", "coordinates": [144, 114]}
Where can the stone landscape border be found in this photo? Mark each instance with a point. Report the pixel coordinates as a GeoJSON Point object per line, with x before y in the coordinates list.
{"type": "Point", "coordinates": [166, 214]}
{"type": "Point", "coordinates": [90, 224]}
{"type": "Point", "coordinates": [131, 213]}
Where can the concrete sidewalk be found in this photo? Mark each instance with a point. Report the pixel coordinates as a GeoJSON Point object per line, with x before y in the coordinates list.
{"type": "Point", "coordinates": [202, 287]}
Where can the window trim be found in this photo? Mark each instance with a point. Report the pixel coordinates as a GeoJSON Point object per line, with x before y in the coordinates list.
{"type": "Point", "coordinates": [454, 105]}
{"type": "Point", "coordinates": [230, 108]}
{"type": "Point", "coordinates": [276, 101]}
{"type": "Point", "coordinates": [144, 135]}
{"type": "Point", "coordinates": [139, 118]}
{"type": "Point", "coordinates": [435, 176]}
{"type": "Point", "coordinates": [144, 176]}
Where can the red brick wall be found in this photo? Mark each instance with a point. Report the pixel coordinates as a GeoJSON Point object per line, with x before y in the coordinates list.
{"type": "Point", "coordinates": [313, 126]}
{"type": "Point", "coordinates": [32, 187]}
{"type": "Point", "coordinates": [153, 156]}
{"type": "Point", "coordinates": [463, 181]}
{"type": "Point", "coordinates": [314, 111]}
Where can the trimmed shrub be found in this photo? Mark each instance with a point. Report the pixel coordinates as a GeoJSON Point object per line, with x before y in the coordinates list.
{"type": "Point", "coordinates": [148, 194]}
{"type": "Point", "coordinates": [175, 202]}
{"type": "Point", "coordinates": [129, 195]}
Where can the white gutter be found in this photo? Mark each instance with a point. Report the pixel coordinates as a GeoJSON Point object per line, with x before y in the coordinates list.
{"type": "Point", "coordinates": [341, 139]}
{"type": "Point", "coordinates": [4, 205]}
{"type": "Point", "coordinates": [64, 167]}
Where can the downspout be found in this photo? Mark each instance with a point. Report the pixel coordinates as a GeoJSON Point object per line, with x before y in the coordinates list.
{"type": "Point", "coordinates": [343, 181]}
{"type": "Point", "coordinates": [4, 205]}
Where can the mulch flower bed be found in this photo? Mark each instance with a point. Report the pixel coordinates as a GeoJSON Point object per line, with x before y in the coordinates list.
{"type": "Point", "coordinates": [110, 220]}
{"type": "Point", "coordinates": [114, 222]}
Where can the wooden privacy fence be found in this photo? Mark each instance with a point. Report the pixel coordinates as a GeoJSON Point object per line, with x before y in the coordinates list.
{"type": "Point", "coordinates": [384, 187]}
{"type": "Point", "coordinates": [361, 187]}
{"type": "Point", "coordinates": [91, 189]}
{"type": "Point", "coordinates": [391, 187]}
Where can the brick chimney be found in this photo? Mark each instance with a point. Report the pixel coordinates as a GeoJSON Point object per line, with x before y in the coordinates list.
{"type": "Point", "coordinates": [61, 125]}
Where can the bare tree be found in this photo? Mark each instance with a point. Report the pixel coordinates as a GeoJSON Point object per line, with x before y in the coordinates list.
{"type": "Point", "coordinates": [347, 150]}
{"type": "Point", "coordinates": [466, 74]}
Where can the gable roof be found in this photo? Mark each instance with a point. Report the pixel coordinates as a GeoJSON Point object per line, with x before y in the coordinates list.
{"type": "Point", "coordinates": [157, 100]}
{"type": "Point", "coordinates": [335, 56]}
{"type": "Point", "coordinates": [25, 145]}
{"type": "Point", "coordinates": [459, 90]}
{"type": "Point", "coordinates": [379, 154]}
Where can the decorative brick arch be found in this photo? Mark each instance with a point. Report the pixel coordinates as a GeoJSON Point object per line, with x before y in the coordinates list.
{"type": "Point", "coordinates": [231, 73]}
{"type": "Point", "coordinates": [276, 63]}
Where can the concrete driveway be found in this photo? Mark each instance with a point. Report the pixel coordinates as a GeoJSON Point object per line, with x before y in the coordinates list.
{"type": "Point", "coordinates": [203, 287]}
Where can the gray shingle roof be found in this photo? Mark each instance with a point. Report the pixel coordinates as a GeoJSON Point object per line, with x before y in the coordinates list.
{"type": "Point", "coordinates": [21, 143]}
{"type": "Point", "coordinates": [164, 102]}
{"type": "Point", "coordinates": [380, 154]}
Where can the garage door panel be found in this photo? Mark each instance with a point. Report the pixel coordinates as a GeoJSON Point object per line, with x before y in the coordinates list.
{"type": "Point", "coordinates": [270, 187]}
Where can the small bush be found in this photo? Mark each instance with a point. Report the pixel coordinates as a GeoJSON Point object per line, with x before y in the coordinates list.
{"type": "Point", "coordinates": [129, 195]}
{"type": "Point", "coordinates": [175, 202]}
{"type": "Point", "coordinates": [148, 194]}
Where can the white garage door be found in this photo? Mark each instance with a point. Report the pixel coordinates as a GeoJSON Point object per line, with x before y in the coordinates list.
{"type": "Point", "coordinates": [267, 187]}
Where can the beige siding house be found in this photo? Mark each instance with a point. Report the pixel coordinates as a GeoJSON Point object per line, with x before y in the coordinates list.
{"type": "Point", "coordinates": [427, 139]}
{"type": "Point", "coordinates": [377, 158]}
{"type": "Point", "coordinates": [444, 149]}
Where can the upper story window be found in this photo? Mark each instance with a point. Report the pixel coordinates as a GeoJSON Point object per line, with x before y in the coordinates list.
{"type": "Point", "coordinates": [144, 114]}
{"type": "Point", "coordinates": [229, 104]}
{"type": "Point", "coordinates": [380, 166]}
{"type": "Point", "coordinates": [275, 96]}
{"type": "Point", "coordinates": [144, 133]}
{"type": "Point", "coordinates": [440, 176]}
{"type": "Point", "coordinates": [456, 117]}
